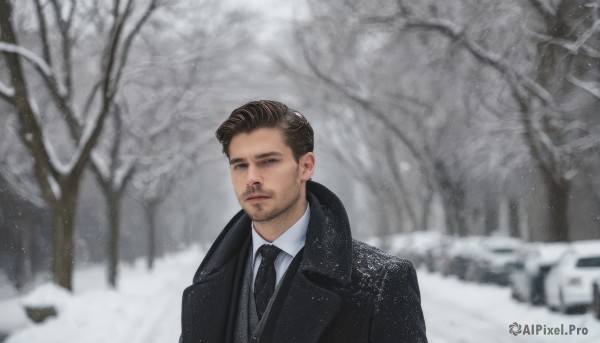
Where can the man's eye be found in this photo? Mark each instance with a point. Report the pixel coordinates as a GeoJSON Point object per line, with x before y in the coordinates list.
{"type": "Point", "coordinates": [239, 166]}
{"type": "Point", "coordinates": [270, 161]}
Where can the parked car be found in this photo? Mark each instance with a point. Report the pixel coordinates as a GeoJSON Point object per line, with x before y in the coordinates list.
{"type": "Point", "coordinates": [596, 297]}
{"type": "Point", "coordinates": [461, 255]}
{"type": "Point", "coordinates": [416, 245]}
{"type": "Point", "coordinates": [568, 285]}
{"type": "Point", "coordinates": [494, 259]}
{"type": "Point", "coordinates": [437, 256]}
{"type": "Point", "coordinates": [534, 262]}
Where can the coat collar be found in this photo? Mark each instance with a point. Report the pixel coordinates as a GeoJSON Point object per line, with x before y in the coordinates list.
{"type": "Point", "coordinates": [226, 247]}
{"type": "Point", "coordinates": [328, 246]}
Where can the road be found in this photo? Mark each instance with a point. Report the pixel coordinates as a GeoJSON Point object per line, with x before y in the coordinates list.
{"type": "Point", "coordinates": [457, 311]}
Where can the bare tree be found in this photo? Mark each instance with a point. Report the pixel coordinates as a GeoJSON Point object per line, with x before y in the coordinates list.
{"type": "Point", "coordinates": [59, 181]}
{"type": "Point", "coordinates": [154, 185]}
{"type": "Point", "coordinates": [113, 173]}
{"type": "Point", "coordinates": [355, 70]}
{"type": "Point", "coordinates": [555, 97]}
{"type": "Point", "coordinates": [382, 58]}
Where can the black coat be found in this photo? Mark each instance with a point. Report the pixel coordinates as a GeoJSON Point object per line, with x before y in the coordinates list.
{"type": "Point", "coordinates": [344, 290]}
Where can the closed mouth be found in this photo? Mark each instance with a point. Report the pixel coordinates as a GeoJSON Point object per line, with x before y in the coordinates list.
{"type": "Point", "coordinates": [257, 197]}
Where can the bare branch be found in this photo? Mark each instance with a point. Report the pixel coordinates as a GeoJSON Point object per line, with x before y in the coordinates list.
{"type": "Point", "coordinates": [111, 52]}
{"type": "Point", "coordinates": [576, 47]}
{"type": "Point", "coordinates": [71, 15]}
{"type": "Point", "coordinates": [492, 59]}
{"type": "Point", "coordinates": [483, 55]}
{"type": "Point", "coordinates": [30, 133]}
{"type": "Point", "coordinates": [365, 104]}
{"type": "Point", "coordinates": [91, 96]}
{"type": "Point", "coordinates": [585, 36]}
{"type": "Point", "coordinates": [39, 64]}
{"type": "Point", "coordinates": [590, 87]}
{"type": "Point", "coordinates": [544, 9]}
{"type": "Point", "coordinates": [56, 89]}
{"type": "Point", "coordinates": [94, 126]}
{"type": "Point", "coordinates": [584, 143]}
{"type": "Point", "coordinates": [129, 40]}
{"type": "Point", "coordinates": [66, 46]}
{"type": "Point", "coordinates": [43, 32]}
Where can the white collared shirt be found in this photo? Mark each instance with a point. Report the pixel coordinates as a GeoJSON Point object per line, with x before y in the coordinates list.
{"type": "Point", "coordinates": [290, 242]}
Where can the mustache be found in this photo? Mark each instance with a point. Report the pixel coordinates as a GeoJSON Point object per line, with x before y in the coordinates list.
{"type": "Point", "coordinates": [252, 191]}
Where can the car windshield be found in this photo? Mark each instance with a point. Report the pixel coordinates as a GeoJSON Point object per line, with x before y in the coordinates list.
{"type": "Point", "coordinates": [588, 262]}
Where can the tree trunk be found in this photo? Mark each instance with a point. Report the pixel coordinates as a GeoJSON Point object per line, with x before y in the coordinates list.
{"type": "Point", "coordinates": [150, 208]}
{"type": "Point", "coordinates": [64, 229]}
{"type": "Point", "coordinates": [22, 265]}
{"type": "Point", "coordinates": [453, 197]}
{"type": "Point", "coordinates": [114, 219]}
{"type": "Point", "coordinates": [513, 218]}
{"type": "Point", "coordinates": [558, 207]}
{"type": "Point", "coordinates": [490, 215]}
{"type": "Point", "coordinates": [424, 221]}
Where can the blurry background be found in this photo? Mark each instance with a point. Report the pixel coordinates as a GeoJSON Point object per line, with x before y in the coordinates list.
{"type": "Point", "coordinates": [462, 118]}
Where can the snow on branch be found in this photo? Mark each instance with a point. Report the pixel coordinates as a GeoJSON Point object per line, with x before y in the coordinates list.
{"type": "Point", "coordinates": [129, 40]}
{"type": "Point", "coordinates": [47, 148]}
{"type": "Point", "coordinates": [546, 8]}
{"type": "Point", "coordinates": [124, 173]}
{"type": "Point", "coordinates": [40, 65]}
{"type": "Point", "coordinates": [576, 47]}
{"type": "Point", "coordinates": [101, 166]}
{"type": "Point", "coordinates": [88, 136]}
{"type": "Point", "coordinates": [591, 87]}
{"type": "Point", "coordinates": [519, 82]}
{"type": "Point", "coordinates": [29, 55]}
{"type": "Point", "coordinates": [6, 91]}
{"type": "Point", "coordinates": [53, 159]}
{"type": "Point", "coordinates": [585, 143]}
{"type": "Point", "coordinates": [490, 58]}
{"type": "Point", "coordinates": [585, 36]}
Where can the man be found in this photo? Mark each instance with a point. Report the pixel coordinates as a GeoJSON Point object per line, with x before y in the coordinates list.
{"type": "Point", "coordinates": [285, 268]}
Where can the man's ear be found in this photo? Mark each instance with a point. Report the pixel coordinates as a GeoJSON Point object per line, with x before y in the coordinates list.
{"type": "Point", "coordinates": [307, 166]}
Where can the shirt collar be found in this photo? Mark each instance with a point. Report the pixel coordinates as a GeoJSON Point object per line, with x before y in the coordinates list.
{"type": "Point", "coordinates": [291, 241]}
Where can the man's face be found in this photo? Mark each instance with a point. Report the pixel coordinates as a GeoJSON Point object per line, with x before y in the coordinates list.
{"type": "Point", "coordinates": [268, 182]}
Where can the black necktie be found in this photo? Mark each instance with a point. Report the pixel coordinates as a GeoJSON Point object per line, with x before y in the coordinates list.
{"type": "Point", "coordinates": [264, 284]}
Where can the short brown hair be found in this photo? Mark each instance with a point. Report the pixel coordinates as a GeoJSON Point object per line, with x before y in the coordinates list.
{"type": "Point", "coordinates": [298, 133]}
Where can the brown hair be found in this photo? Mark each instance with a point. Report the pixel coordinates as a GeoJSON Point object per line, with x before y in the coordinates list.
{"type": "Point", "coordinates": [254, 115]}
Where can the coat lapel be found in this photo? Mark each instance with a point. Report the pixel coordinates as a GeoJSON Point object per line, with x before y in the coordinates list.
{"type": "Point", "coordinates": [210, 303]}
{"type": "Point", "coordinates": [206, 307]}
{"type": "Point", "coordinates": [307, 311]}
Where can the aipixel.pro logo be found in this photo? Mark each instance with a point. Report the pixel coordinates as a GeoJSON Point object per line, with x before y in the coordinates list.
{"type": "Point", "coordinates": [514, 328]}
{"type": "Point", "coordinates": [546, 330]}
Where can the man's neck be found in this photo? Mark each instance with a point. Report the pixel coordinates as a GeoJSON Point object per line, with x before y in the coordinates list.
{"type": "Point", "coordinates": [272, 229]}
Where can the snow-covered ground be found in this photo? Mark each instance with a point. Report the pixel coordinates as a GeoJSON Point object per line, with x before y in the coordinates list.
{"type": "Point", "coordinates": [146, 308]}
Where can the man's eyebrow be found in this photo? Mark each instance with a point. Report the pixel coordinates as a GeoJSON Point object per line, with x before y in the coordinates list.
{"type": "Point", "coordinates": [269, 154]}
{"type": "Point", "coordinates": [258, 157]}
{"type": "Point", "coordinates": [237, 160]}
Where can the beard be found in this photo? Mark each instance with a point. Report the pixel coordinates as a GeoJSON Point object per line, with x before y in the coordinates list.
{"type": "Point", "coordinates": [258, 214]}
{"type": "Point", "coordinates": [261, 213]}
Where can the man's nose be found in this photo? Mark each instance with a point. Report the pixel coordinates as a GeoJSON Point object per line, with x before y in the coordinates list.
{"type": "Point", "coordinates": [253, 176]}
